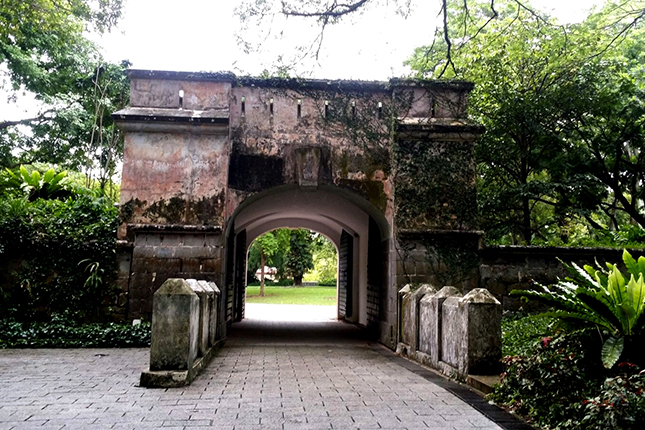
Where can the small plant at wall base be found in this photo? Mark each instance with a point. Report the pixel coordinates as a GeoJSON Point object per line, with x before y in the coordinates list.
{"type": "Point", "coordinates": [602, 299]}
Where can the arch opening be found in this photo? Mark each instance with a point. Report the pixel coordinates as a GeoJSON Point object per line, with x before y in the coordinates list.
{"type": "Point", "coordinates": [292, 273]}
{"type": "Point", "coordinates": [353, 226]}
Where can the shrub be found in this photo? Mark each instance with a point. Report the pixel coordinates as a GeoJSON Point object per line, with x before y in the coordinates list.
{"type": "Point", "coordinates": [327, 283]}
{"type": "Point", "coordinates": [602, 298]}
{"type": "Point", "coordinates": [520, 332]}
{"type": "Point", "coordinates": [267, 283]}
{"type": "Point", "coordinates": [63, 332]}
{"type": "Point", "coordinates": [620, 403]}
{"type": "Point", "coordinates": [42, 244]}
{"type": "Point", "coordinates": [549, 384]}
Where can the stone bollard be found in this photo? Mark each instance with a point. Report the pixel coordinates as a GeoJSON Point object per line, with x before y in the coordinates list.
{"type": "Point", "coordinates": [213, 324]}
{"type": "Point", "coordinates": [175, 327]}
{"type": "Point", "coordinates": [471, 334]}
{"type": "Point", "coordinates": [183, 335]}
{"type": "Point", "coordinates": [409, 311]}
{"type": "Point", "coordinates": [205, 294]}
{"type": "Point", "coordinates": [403, 299]}
{"type": "Point", "coordinates": [430, 324]}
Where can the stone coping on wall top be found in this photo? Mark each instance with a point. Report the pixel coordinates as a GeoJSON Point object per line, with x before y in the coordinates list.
{"type": "Point", "coordinates": [175, 228]}
{"type": "Point", "coordinates": [211, 116]}
{"type": "Point", "coordinates": [438, 125]}
{"type": "Point", "coordinates": [417, 232]}
{"type": "Point", "coordinates": [124, 244]}
{"type": "Point", "coordinates": [300, 83]}
{"type": "Point", "coordinates": [557, 250]}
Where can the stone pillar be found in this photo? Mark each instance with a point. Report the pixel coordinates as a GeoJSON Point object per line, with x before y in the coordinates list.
{"type": "Point", "coordinates": [175, 327]}
{"type": "Point", "coordinates": [484, 332]}
{"type": "Point", "coordinates": [213, 323]}
{"type": "Point", "coordinates": [435, 202]}
{"type": "Point", "coordinates": [205, 294]}
{"type": "Point", "coordinates": [430, 323]}
{"type": "Point", "coordinates": [471, 334]}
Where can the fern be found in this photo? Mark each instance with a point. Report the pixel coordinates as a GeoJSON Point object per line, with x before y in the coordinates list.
{"type": "Point", "coordinates": [602, 297]}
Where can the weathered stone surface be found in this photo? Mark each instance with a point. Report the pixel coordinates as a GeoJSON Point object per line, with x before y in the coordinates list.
{"type": "Point", "coordinates": [454, 339]}
{"type": "Point", "coordinates": [471, 333]}
{"type": "Point", "coordinates": [430, 322]}
{"type": "Point", "coordinates": [175, 327]}
{"type": "Point", "coordinates": [484, 332]}
{"type": "Point", "coordinates": [205, 294]}
{"type": "Point", "coordinates": [200, 148]}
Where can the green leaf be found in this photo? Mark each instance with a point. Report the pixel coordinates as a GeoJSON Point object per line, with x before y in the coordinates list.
{"type": "Point", "coordinates": [49, 175]}
{"type": "Point", "coordinates": [25, 174]}
{"type": "Point", "coordinates": [612, 350]}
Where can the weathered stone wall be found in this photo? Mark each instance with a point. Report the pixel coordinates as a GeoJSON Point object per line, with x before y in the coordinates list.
{"type": "Point", "coordinates": [162, 254]}
{"type": "Point", "coordinates": [506, 268]}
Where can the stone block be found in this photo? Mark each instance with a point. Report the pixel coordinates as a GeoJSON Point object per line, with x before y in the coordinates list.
{"type": "Point", "coordinates": [430, 322]}
{"type": "Point", "coordinates": [175, 327]}
{"type": "Point", "coordinates": [211, 265]}
{"type": "Point", "coordinates": [205, 294]}
{"type": "Point", "coordinates": [484, 332]}
{"type": "Point", "coordinates": [191, 265]}
{"type": "Point", "coordinates": [471, 333]}
{"type": "Point", "coordinates": [213, 322]}
{"type": "Point", "coordinates": [453, 334]}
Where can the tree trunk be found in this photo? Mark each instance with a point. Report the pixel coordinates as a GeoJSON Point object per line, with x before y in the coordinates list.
{"type": "Point", "coordinates": [297, 281]}
{"type": "Point", "coordinates": [261, 273]}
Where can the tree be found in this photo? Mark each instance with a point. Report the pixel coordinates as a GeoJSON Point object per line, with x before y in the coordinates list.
{"type": "Point", "coordinates": [455, 30]}
{"type": "Point", "coordinates": [44, 50]}
{"type": "Point", "coordinates": [325, 259]}
{"type": "Point", "coordinates": [532, 78]}
{"type": "Point", "coordinates": [299, 258]}
{"type": "Point", "coordinates": [42, 45]}
{"type": "Point", "coordinates": [266, 246]}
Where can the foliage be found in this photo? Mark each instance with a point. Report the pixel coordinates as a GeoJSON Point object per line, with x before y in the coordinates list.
{"type": "Point", "coordinates": [278, 237]}
{"type": "Point", "coordinates": [36, 186]}
{"type": "Point", "coordinates": [289, 251]}
{"type": "Point", "coordinates": [321, 296]}
{"type": "Point", "coordinates": [278, 283]}
{"type": "Point", "coordinates": [521, 332]}
{"type": "Point", "coordinates": [558, 383]}
{"type": "Point", "coordinates": [42, 244]}
{"type": "Point", "coordinates": [620, 403]}
{"type": "Point", "coordinates": [44, 49]}
{"type": "Point", "coordinates": [564, 117]}
{"type": "Point", "coordinates": [325, 260]}
{"type": "Point", "coordinates": [63, 332]}
{"type": "Point", "coordinates": [602, 298]}
{"type": "Point", "coordinates": [42, 43]}
{"type": "Point", "coordinates": [299, 257]}
{"type": "Point", "coordinates": [328, 283]}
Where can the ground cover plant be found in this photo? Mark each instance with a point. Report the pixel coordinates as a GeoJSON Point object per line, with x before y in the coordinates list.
{"type": "Point", "coordinates": [580, 368]}
{"type": "Point", "coordinates": [321, 296]}
{"type": "Point", "coordinates": [65, 332]}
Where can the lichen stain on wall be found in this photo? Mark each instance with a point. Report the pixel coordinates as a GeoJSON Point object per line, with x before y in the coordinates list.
{"type": "Point", "coordinates": [435, 185]}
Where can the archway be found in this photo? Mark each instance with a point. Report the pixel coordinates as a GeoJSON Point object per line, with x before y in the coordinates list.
{"type": "Point", "coordinates": [355, 228]}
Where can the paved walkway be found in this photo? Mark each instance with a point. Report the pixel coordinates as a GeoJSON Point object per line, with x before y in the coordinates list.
{"type": "Point", "coordinates": [269, 375]}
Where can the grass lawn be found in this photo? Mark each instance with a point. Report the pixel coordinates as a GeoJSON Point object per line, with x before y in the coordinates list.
{"type": "Point", "coordinates": [322, 296]}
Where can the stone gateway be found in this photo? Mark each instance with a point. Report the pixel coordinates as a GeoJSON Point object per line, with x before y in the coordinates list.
{"type": "Point", "coordinates": [385, 170]}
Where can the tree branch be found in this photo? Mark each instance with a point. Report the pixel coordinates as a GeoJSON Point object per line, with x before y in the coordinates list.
{"type": "Point", "coordinates": [335, 10]}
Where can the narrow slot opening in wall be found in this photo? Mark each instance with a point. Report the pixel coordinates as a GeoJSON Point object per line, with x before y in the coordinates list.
{"type": "Point", "coordinates": [380, 109]}
{"type": "Point", "coordinates": [243, 106]}
{"type": "Point", "coordinates": [326, 108]}
{"type": "Point", "coordinates": [299, 108]}
{"type": "Point", "coordinates": [271, 107]}
{"type": "Point", "coordinates": [181, 99]}
{"type": "Point", "coordinates": [353, 109]}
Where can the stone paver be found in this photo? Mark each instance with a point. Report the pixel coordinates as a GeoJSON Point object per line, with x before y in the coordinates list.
{"type": "Point", "coordinates": [270, 375]}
